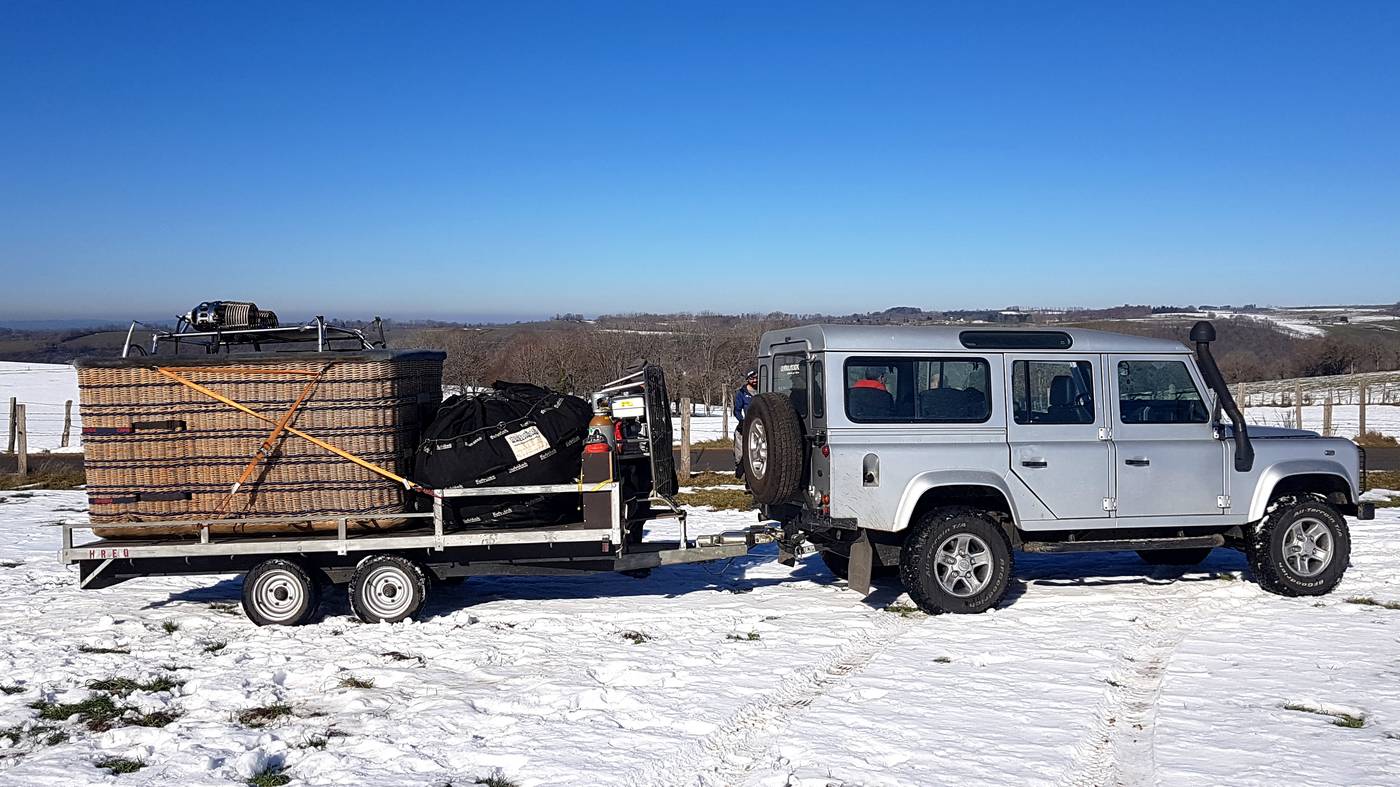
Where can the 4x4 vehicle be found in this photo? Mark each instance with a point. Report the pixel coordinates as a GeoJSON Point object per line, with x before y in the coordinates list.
{"type": "Point", "coordinates": [937, 451]}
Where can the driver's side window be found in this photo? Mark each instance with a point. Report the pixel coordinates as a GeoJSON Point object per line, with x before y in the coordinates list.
{"type": "Point", "coordinates": [1158, 392]}
{"type": "Point", "coordinates": [1052, 392]}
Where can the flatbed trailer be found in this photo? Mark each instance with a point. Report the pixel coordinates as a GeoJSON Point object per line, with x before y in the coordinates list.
{"type": "Point", "coordinates": [389, 573]}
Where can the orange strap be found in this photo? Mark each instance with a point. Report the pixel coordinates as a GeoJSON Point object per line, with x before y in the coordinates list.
{"type": "Point", "coordinates": [370, 466]}
{"type": "Point", "coordinates": [265, 450]}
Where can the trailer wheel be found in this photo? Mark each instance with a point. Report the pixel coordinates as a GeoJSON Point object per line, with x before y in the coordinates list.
{"type": "Point", "coordinates": [280, 592]}
{"type": "Point", "coordinates": [387, 589]}
{"type": "Point", "coordinates": [773, 449]}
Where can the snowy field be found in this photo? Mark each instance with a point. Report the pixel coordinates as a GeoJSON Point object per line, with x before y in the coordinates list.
{"type": "Point", "coordinates": [1383, 418]}
{"type": "Point", "coordinates": [42, 388]}
{"type": "Point", "coordinates": [1097, 670]}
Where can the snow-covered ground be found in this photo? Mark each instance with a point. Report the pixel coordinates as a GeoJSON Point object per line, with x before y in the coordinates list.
{"type": "Point", "coordinates": [42, 388]}
{"type": "Point", "coordinates": [1345, 418]}
{"type": "Point", "coordinates": [1097, 670]}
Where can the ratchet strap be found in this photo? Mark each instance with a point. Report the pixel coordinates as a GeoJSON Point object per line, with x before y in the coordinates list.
{"type": "Point", "coordinates": [346, 455]}
{"type": "Point", "coordinates": [265, 450]}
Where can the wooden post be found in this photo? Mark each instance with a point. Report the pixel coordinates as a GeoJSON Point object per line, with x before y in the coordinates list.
{"type": "Point", "coordinates": [1361, 413]}
{"type": "Point", "coordinates": [67, 422]}
{"type": "Point", "coordinates": [1239, 398]}
{"type": "Point", "coordinates": [1298, 405]}
{"type": "Point", "coordinates": [685, 441]}
{"type": "Point", "coordinates": [21, 442]}
{"type": "Point", "coordinates": [725, 424]}
{"type": "Point", "coordinates": [1327, 416]}
{"type": "Point", "coordinates": [10, 447]}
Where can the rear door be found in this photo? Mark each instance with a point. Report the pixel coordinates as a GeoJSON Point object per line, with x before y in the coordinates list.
{"type": "Point", "coordinates": [1056, 431]}
{"type": "Point", "coordinates": [1168, 462]}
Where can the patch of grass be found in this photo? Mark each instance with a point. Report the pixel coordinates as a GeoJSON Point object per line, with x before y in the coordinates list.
{"type": "Point", "coordinates": [119, 765]}
{"type": "Point", "coordinates": [271, 776]}
{"type": "Point", "coordinates": [124, 686]}
{"type": "Point", "coordinates": [11, 689]}
{"type": "Point", "coordinates": [224, 608]}
{"type": "Point", "coordinates": [706, 480]}
{"type": "Point", "coordinates": [1367, 601]}
{"type": "Point", "coordinates": [214, 647]}
{"type": "Point", "coordinates": [1376, 440]}
{"type": "Point", "coordinates": [100, 649]}
{"type": "Point", "coordinates": [1339, 718]}
{"type": "Point", "coordinates": [397, 656]}
{"type": "Point", "coordinates": [170, 627]}
{"type": "Point", "coordinates": [46, 475]}
{"type": "Point", "coordinates": [1384, 479]}
{"type": "Point", "coordinates": [636, 638]}
{"type": "Point", "coordinates": [726, 443]}
{"type": "Point", "coordinates": [158, 718]}
{"type": "Point", "coordinates": [352, 682]}
{"type": "Point", "coordinates": [317, 742]}
{"type": "Point", "coordinates": [265, 715]}
{"type": "Point", "coordinates": [903, 610]}
{"type": "Point", "coordinates": [100, 713]}
{"type": "Point", "coordinates": [1227, 576]}
{"type": "Point", "coordinates": [718, 499]}
{"type": "Point", "coordinates": [495, 780]}
{"type": "Point", "coordinates": [752, 636]}
{"type": "Point", "coordinates": [942, 660]}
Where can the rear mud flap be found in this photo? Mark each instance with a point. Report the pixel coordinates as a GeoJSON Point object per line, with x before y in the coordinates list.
{"type": "Point", "coordinates": [861, 563]}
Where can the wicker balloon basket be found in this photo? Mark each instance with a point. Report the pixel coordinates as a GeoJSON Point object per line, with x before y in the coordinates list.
{"type": "Point", "coordinates": [159, 447]}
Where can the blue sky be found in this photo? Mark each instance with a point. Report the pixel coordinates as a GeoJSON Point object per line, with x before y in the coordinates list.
{"type": "Point", "coordinates": [511, 159]}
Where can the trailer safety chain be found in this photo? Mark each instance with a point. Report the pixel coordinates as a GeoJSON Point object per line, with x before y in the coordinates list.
{"type": "Point", "coordinates": [343, 454]}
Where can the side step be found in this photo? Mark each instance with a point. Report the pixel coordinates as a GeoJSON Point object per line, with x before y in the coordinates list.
{"type": "Point", "coordinates": [1125, 544]}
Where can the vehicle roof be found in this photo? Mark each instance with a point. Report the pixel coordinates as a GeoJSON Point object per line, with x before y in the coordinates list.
{"type": "Point", "coordinates": [945, 338]}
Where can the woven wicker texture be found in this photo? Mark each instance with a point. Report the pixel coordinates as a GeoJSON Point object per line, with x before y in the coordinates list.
{"type": "Point", "coordinates": [142, 466]}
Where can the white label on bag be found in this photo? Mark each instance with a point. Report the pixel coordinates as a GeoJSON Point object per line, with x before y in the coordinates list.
{"type": "Point", "coordinates": [527, 442]}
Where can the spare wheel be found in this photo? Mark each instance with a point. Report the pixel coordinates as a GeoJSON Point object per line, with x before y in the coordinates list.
{"type": "Point", "coordinates": [773, 448]}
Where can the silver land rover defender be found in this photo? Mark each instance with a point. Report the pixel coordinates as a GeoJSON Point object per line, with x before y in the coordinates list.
{"type": "Point", "coordinates": [934, 452]}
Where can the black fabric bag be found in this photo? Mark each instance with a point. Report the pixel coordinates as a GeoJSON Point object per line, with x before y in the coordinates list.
{"type": "Point", "coordinates": [514, 434]}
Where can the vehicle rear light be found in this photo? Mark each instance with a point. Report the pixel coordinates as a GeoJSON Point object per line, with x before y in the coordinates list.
{"type": "Point", "coordinates": [826, 500]}
{"type": "Point", "coordinates": [826, 451]}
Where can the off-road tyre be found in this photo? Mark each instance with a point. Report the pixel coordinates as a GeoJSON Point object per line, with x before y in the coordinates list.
{"type": "Point", "coordinates": [1265, 547]}
{"type": "Point", "coordinates": [280, 592]}
{"type": "Point", "coordinates": [921, 550]}
{"type": "Point", "coordinates": [1174, 557]}
{"type": "Point", "coordinates": [772, 421]}
{"type": "Point", "coordinates": [387, 589]}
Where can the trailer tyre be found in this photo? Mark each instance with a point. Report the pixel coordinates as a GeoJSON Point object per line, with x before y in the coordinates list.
{"type": "Point", "coordinates": [280, 592]}
{"type": "Point", "coordinates": [956, 559]}
{"type": "Point", "coordinates": [772, 450]}
{"type": "Point", "coordinates": [387, 589]}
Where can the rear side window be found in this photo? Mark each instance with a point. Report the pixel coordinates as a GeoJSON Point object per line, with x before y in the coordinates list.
{"type": "Point", "coordinates": [1052, 392]}
{"type": "Point", "coordinates": [790, 379]}
{"type": "Point", "coordinates": [1158, 392]}
{"type": "Point", "coordinates": [918, 390]}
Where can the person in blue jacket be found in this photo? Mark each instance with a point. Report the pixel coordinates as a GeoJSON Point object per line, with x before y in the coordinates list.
{"type": "Point", "coordinates": [742, 398]}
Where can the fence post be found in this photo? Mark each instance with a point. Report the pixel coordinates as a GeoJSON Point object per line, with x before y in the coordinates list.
{"type": "Point", "coordinates": [685, 441]}
{"type": "Point", "coordinates": [1327, 416]}
{"type": "Point", "coordinates": [1361, 414]}
{"type": "Point", "coordinates": [1240, 399]}
{"type": "Point", "coordinates": [10, 447]}
{"type": "Point", "coordinates": [1298, 405]}
{"type": "Point", "coordinates": [22, 442]}
{"type": "Point", "coordinates": [67, 422]}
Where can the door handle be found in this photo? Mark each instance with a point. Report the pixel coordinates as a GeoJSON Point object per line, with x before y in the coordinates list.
{"type": "Point", "coordinates": [1137, 462]}
{"type": "Point", "coordinates": [1034, 463]}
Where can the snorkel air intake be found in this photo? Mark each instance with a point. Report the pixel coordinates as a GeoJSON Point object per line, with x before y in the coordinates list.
{"type": "Point", "coordinates": [1203, 333]}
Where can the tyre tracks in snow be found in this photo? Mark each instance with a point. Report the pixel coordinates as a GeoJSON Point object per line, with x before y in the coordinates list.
{"type": "Point", "coordinates": [1119, 748]}
{"type": "Point", "coordinates": [727, 755]}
